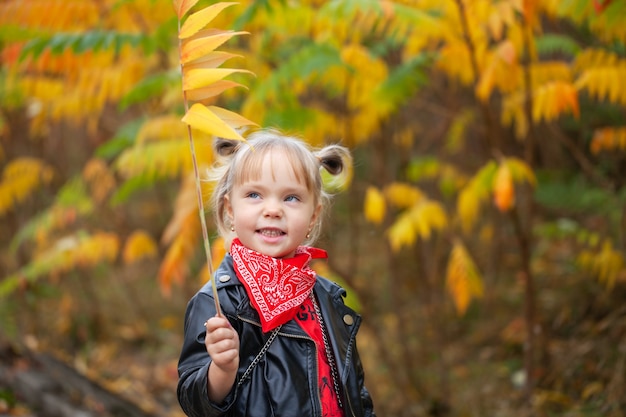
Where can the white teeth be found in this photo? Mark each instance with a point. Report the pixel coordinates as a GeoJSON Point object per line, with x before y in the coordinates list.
{"type": "Point", "coordinates": [270, 232]}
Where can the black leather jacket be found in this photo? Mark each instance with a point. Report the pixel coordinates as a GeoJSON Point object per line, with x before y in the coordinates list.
{"type": "Point", "coordinates": [284, 383]}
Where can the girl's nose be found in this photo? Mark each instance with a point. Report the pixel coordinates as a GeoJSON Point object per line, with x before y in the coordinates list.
{"type": "Point", "coordinates": [272, 208]}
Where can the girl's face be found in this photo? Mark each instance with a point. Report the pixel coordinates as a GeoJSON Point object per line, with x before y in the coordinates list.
{"type": "Point", "coordinates": [273, 213]}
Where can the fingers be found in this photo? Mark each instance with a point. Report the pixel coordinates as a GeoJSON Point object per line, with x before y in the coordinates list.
{"type": "Point", "coordinates": [222, 342]}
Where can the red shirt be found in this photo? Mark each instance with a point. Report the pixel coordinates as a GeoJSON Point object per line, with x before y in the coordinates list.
{"type": "Point", "coordinates": [307, 319]}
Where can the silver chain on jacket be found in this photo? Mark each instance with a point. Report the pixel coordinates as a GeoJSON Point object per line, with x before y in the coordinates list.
{"type": "Point", "coordinates": [329, 354]}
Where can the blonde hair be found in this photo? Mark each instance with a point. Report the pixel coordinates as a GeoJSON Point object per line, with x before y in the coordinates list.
{"type": "Point", "coordinates": [241, 161]}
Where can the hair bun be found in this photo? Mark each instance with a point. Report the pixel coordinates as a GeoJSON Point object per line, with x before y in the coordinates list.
{"type": "Point", "coordinates": [226, 147]}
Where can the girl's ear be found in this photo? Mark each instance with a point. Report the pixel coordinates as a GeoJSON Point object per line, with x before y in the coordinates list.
{"type": "Point", "coordinates": [315, 216]}
{"type": "Point", "coordinates": [228, 208]}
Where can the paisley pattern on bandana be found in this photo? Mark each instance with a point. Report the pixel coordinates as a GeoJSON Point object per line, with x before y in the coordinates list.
{"type": "Point", "coordinates": [276, 287]}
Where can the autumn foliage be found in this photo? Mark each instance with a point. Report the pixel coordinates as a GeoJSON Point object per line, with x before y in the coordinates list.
{"type": "Point", "coordinates": [486, 216]}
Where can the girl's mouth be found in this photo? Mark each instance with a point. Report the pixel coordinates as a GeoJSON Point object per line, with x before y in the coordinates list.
{"type": "Point", "coordinates": [270, 232]}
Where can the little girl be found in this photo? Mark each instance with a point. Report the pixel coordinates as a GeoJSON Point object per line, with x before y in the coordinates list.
{"type": "Point", "coordinates": [284, 343]}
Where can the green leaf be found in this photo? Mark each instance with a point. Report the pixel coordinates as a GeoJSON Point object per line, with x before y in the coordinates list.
{"type": "Point", "coordinates": [130, 188]}
{"type": "Point", "coordinates": [123, 139]}
{"type": "Point", "coordinates": [550, 43]}
{"type": "Point", "coordinates": [309, 60]}
{"type": "Point", "coordinates": [151, 87]}
{"type": "Point", "coordinates": [404, 81]}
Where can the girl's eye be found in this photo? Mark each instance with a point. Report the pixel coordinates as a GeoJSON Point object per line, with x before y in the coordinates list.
{"type": "Point", "coordinates": [292, 198]}
{"type": "Point", "coordinates": [253, 195]}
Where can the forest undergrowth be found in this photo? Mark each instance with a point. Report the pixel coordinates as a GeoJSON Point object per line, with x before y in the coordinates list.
{"type": "Point", "coordinates": [127, 340]}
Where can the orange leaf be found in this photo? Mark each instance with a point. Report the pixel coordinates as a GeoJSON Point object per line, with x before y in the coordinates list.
{"type": "Point", "coordinates": [183, 6]}
{"type": "Point", "coordinates": [211, 60]}
{"type": "Point", "coordinates": [200, 19]}
{"type": "Point", "coordinates": [503, 189]}
{"type": "Point", "coordinates": [204, 93]}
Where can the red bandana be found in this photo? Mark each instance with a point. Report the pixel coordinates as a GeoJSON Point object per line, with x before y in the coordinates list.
{"type": "Point", "coordinates": [276, 287]}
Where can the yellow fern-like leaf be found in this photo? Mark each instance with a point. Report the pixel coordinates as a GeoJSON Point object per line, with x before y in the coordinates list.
{"type": "Point", "coordinates": [608, 139]}
{"type": "Point", "coordinates": [546, 71]}
{"type": "Point", "coordinates": [200, 19]}
{"type": "Point", "coordinates": [202, 43]}
{"type": "Point", "coordinates": [97, 248]}
{"type": "Point", "coordinates": [166, 127]}
{"type": "Point", "coordinates": [500, 71]}
{"type": "Point", "coordinates": [513, 114]}
{"type": "Point", "coordinates": [218, 251]}
{"type": "Point", "coordinates": [606, 263]}
{"type": "Point", "coordinates": [166, 159]}
{"type": "Point", "coordinates": [139, 245]}
{"type": "Point", "coordinates": [428, 216]}
{"type": "Point", "coordinates": [20, 178]}
{"type": "Point", "coordinates": [463, 280]}
{"type": "Point", "coordinates": [601, 74]}
{"type": "Point", "coordinates": [554, 99]}
{"type": "Point", "coordinates": [403, 195]}
{"type": "Point", "coordinates": [80, 250]}
{"type": "Point", "coordinates": [401, 233]}
{"type": "Point", "coordinates": [474, 194]}
{"type": "Point", "coordinates": [419, 221]}
{"type": "Point", "coordinates": [374, 206]}
{"type": "Point", "coordinates": [59, 15]}
{"type": "Point", "coordinates": [202, 118]}
{"type": "Point", "coordinates": [175, 265]}
{"type": "Point", "coordinates": [454, 60]}
{"type": "Point", "coordinates": [520, 171]}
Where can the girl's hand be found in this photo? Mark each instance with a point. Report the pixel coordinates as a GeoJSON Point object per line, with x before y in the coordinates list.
{"type": "Point", "coordinates": [222, 344]}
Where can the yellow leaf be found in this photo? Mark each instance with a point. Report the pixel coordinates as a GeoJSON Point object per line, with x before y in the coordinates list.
{"type": "Point", "coordinates": [218, 251]}
{"type": "Point", "coordinates": [183, 6]}
{"type": "Point", "coordinates": [165, 127]}
{"type": "Point", "coordinates": [592, 389]}
{"type": "Point", "coordinates": [232, 119]}
{"type": "Point", "coordinates": [403, 195]}
{"type": "Point", "coordinates": [174, 267]}
{"type": "Point", "coordinates": [200, 19]}
{"type": "Point", "coordinates": [486, 82]}
{"type": "Point", "coordinates": [139, 245]}
{"type": "Point", "coordinates": [463, 281]}
{"type": "Point", "coordinates": [553, 99]}
{"type": "Point", "coordinates": [201, 118]}
{"type": "Point", "coordinates": [503, 189]}
{"type": "Point", "coordinates": [374, 207]}
{"type": "Point", "coordinates": [401, 233]}
{"type": "Point", "coordinates": [198, 78]}
{"type": "Point", "coordinates": [426, 217]}
{"type": "Point", "coordinates": [468, 205]}
{"type": "Point", "coordinates": [20, 178]}
{"type": "Point", "coordinates": [204, 42]}
{"type": "Point", "coordinates": [520, 171]}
